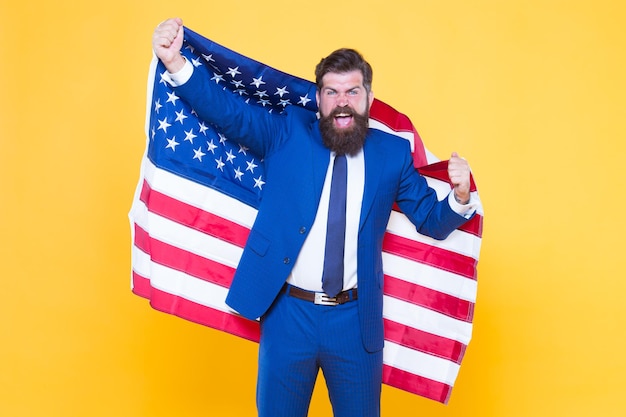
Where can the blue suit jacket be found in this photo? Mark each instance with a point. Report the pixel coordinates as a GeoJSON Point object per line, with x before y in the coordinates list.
{"type": "Point", "coordinates": [295, 162]}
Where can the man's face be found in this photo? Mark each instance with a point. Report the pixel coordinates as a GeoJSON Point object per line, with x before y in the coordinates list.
{"type": "Point", "coordinates": [344, 106]}
{"type": "Point", "coordinates": [343, 90]}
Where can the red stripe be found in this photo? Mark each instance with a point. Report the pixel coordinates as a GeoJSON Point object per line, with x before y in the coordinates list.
{"type": "Point", "coordinates": [181, 260]}
{"type": "Point", "coordinates": [416, 384]}
{"type": "Point", "coordinates": [422, 341]}
{"type": "Point", "coordinates": [142, 238]}
{"type": "Point", "coordinates": [399, 122]}
{"type": "Point", "coordinates": [141, 286]}
{"type": "Point", "coordinates": [193, 217]}
{"type": "Point", "coordinates": [197, 313]}
{"type": "Point", "coordinates": [428, 298]}
{"type": "Point", "coordinates": [473, 226]}
{"type": "Point", "coordinates": [430, 255]}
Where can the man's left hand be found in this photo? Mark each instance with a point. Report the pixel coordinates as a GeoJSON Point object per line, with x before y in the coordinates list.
{"type": "Point", "coordinates": [459, 174]}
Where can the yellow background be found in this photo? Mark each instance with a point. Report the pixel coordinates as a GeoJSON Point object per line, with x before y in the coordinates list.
{"type": "Point", "coordinates": [531, 92]}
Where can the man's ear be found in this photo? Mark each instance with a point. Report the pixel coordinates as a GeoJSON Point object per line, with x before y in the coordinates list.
{"type": "Point", "coordinates": [370, 97]}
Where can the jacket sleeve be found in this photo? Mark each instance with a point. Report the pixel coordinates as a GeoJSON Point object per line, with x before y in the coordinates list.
{"type": "Point", "coordinates": [249, 125]}
{"type": "Point", "coordinates": [420, 204]}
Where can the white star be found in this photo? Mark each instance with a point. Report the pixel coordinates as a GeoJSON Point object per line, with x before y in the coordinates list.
{"type": "Point", "coordinates": [241, 92]}
{"type": "Point", "coordinates": [203, 128]}
{"type": "Point", "coordinates": [251, 166]}
{"type": "Point", "coordinates": [284, 102]}
{"type": "Point", "coordinates": [264, 101]}
{"type": "Point", "coordinates": [233, 71]}
{"type": "Point", "coordinates": [163, 80]}
{"type": "Point", "coordinates": [157, 106]}
{"type": "Point", "coordinates": [258, 182]}
{"type": "Point", "coordinates": [261, 94]}
{"type": "Point", "coordinates": [243, 149]}
{"type": "Point", "coordinates": [198, 154]}
{"type": "Point", "coordinates": [152, 132]}
{"type": "Point", "coordinates": [196, 62]}
{"type": "Point", "coordinates": [189, 136]}
{"type": "Point", "coordinates": [212, 146]}
{"type": "Point", "coordinates": [220, 164]}
{"type": "Point", "coordinates": [164, 125]}
{"type": "Point", "coordinates": [281, 91]}
{"type": "Point", "coordinates": [257, 82]}
{"type": "Point", "coordinates": [208, 58]}
{"type": "Point", "coordinates": [172, 97]}
{"type": "Point", "coordinates": [304, 100]}
{"type": "Point", "coordinates": [238, 174]}
{"type": "Point", "coordinates": [171, 143]}
{"type": "Point", "coordinates": [230, 156]}
{"type": "Point", "coordinates": [237, 83]}
{"type": "Point", "coordinates": [190, 47]}
{"type": "Point", "coordinates": [180, 116]}
{"type": "Point", "coordinates": [217, 78]}
{"type": "Point", "coordinates": [223, 138]}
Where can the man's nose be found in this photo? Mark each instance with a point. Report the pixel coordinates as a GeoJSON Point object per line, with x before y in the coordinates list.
{"type": "Point", "coordinates": [342, 100]}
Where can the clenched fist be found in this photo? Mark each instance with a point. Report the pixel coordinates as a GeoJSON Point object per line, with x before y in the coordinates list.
{"type": "Point", "coordinates": [459, 174]}
{"type": "Point", "coordinates": [167, 42]}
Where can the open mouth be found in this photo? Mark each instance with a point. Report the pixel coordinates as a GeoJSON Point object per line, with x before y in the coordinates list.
{"type": "Point", "coordinates": [343, 120]}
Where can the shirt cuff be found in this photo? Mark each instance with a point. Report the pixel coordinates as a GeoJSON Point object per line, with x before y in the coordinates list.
{"type": "Point", "coordinates": [180, 77]}
{"type": "Point", "coordinates": [465, 210]}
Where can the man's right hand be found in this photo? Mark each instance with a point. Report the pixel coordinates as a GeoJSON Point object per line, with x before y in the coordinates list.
{"type": "Point", "coordinates": [167, 42]}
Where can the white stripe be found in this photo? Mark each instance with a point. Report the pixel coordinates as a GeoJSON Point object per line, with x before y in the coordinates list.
{"type": "Point", "coordinates": [419, 363]}
{"type": "Point", "coordinates": [458, 241]}
{"type": "Point", "coordinates": [430, 277]}
{"type": "Point", "coordinates": [430, 157]}
{"type": "Point", "coordinates": [442, 188]}
{"type": "Point", "coordinates": [141, 262]}
{"type": "Point", "coordinates": [200, 196]}
{"type": "Point", "coordinates": [426, 320]}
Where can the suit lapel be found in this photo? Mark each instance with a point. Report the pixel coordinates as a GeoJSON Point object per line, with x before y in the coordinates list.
{"type": "Point", "coordinates": [374, 154]}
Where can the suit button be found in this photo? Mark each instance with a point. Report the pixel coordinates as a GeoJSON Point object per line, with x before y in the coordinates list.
{"type": "Point", "coordinates": [286, 261]}
{"type": "Point", "coordinates": [302, 230]}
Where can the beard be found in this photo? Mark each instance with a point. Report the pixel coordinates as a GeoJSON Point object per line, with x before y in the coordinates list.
{"type": "Point", "coordinates": [344, 141]}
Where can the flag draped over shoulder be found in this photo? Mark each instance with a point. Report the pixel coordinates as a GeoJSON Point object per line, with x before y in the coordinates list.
{"type": "Point", "coordinates": [197, 199]}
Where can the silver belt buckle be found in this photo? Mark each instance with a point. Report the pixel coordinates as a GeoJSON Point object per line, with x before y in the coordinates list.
{"type": "Point", "coordinates": [324, 300]}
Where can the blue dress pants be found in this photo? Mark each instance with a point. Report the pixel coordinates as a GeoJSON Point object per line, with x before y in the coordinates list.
{"type": "Point", "coordinates": [298, 338]}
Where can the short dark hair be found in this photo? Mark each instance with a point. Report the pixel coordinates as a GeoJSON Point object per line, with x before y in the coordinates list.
{"type": "Point", "coordinates": [341, 61]}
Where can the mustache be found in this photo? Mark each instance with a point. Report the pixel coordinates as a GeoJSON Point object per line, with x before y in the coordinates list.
{"type": "Point", "coordinates": [346, 111]}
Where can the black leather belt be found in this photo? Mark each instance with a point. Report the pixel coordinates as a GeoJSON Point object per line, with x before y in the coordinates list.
{"type": "Point", "coordinates": [319, 297]}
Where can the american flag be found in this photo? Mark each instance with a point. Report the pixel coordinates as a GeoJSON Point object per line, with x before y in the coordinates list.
{"type": "Point", "coordinates": [197, 199]}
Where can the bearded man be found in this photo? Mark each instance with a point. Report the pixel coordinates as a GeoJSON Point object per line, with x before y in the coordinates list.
{"type": "Point", "coordinates": [311, 269]}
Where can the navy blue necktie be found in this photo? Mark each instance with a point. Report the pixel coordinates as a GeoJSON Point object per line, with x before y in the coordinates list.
{"type": "Point", "coordinates": [332, 277]}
